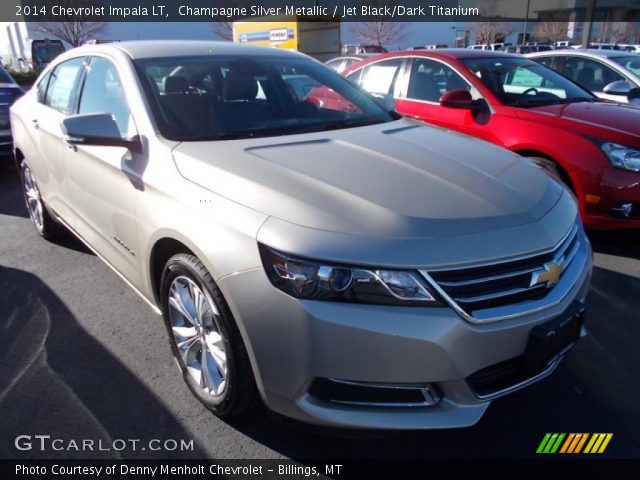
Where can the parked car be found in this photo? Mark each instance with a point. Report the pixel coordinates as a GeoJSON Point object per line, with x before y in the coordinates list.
{"type": "Point", "coordinates": [565, 44]}
{"type": "Point", "coordinates": [10, 91]}
{"type": "Point", "coordinates": [349, 267]}
{"type": "Point", "coordinates": [634, 48]}
{"type": "Point", "coordinates": [354, 49]}
{"type": "Point", "coordinates": [44, 51]}
{"type": "Point", "coordinates": [340, 64]}
{"type": "Point", "coordinates": [519, 49]}
{"type": "Point", "coordinates": [528, 108]}
{"type": "Point", "coordinates": [604, 46]}
{"type": "Point", "coordinates": [610, 74]}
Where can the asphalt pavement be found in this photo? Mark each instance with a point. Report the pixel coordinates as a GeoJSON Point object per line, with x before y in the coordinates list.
{"type": "Point", "coordinates": [82, 357]}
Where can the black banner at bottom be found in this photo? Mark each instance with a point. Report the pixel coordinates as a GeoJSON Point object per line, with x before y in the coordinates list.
{"type": "Point", "coordinates": [290, 469]}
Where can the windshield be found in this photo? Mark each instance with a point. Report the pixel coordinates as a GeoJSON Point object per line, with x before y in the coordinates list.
{"type": "Point", "coordinates": [522, 82]}
{"type": "Point", "coordinates": [225, 97]}
{"type": "Point", "coordinates": [631, 63]}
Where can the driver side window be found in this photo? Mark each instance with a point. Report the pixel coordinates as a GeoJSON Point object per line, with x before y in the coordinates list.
{"type": "Point", "coordinates": [429, 80]}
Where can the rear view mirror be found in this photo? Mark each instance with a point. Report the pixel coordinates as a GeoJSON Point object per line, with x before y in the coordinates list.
{"type": "Point", "coordinates": [97, 129]}
{"type": "Point", "coordinates": [619, 87]}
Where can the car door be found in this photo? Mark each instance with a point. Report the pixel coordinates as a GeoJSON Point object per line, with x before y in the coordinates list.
{"type": "Point", "coordinates": [104, 182]}
{"type": "Point", "coordinates": [425, 81]}
{"type": "Point", "coordinates": [56, 96]}
{"type": "Point", "coordinates": [592, 75]}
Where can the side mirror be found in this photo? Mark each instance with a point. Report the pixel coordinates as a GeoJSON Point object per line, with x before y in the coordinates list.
{"type": "Point", "coordinates": [460, 99]}
{"type": "Point", "coordinates": [634, 96]}
{"type": "Point", "coordinates": [619, 87]}
{"type": "Point", "coordinates": [97, 129]}
{"type": "Point", "coordinates": [387, 101]}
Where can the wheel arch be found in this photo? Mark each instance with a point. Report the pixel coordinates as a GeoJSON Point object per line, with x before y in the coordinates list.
{"type": "Point", "coordinates": [566, 177]}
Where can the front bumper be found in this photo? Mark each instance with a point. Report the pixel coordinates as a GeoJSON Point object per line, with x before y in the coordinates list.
{"type": "Point", "coordinates": [292, 343]}
{"type": "Point", "coordinates": [617, 188]}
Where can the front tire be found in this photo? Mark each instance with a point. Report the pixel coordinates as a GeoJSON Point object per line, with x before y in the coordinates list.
{"type": "Point", "coordinates": [548, 165]}
{"type": "Point", "coordinates": [205, 339]}
{"type": "Point", "coordinates": [41, 220]}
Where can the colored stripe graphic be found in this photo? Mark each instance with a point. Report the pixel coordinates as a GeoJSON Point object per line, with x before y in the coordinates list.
{"type": "Point", "coordinates": [574, 443]}
{"type": "Point", "coordinates": [543, 443]}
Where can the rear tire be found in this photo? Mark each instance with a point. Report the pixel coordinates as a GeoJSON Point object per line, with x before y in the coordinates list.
{"type": "Point", "coordinates": [41, 220]}
{"type": "Point", "coordinates": [205, 339]}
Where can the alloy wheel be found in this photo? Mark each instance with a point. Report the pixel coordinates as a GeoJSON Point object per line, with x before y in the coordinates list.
{"type": "Point", "coordinates": [33, 199]}
{"type": "Point", "coordinates": [194, 321]}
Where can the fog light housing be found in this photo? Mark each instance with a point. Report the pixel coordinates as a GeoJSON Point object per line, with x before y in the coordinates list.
{"type": "Point", "coordinates": [626, 210]}
{"type": "Point", "coordinates": [365, 394]}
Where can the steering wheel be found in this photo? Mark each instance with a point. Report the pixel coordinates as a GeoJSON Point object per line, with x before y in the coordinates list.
{"type": "Point", "coordinates": [532, 89]}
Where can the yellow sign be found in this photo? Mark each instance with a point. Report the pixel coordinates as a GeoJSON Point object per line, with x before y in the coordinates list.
{"type": "Point", "coordinates": [269, 34]}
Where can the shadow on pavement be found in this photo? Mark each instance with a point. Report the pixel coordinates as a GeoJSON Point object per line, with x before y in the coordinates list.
{"type": "Point", "coordinates": [623, 243]}
{"type": "Point", "coordinates": [11, 199]}
{"type": "Point", "coordinates": [55, 379]}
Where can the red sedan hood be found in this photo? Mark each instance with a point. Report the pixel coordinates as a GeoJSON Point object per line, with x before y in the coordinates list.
{"type": "Point", "coordinates": [587, 116]}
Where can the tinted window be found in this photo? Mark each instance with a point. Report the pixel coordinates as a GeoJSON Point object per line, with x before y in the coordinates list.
{"type": "Point", "coordinates": [225, 97]}
{"type": "Point", "coordinates": [589, 73]}
{"type": "Point", "coordinates": [548, 61]}
{"type": "Point", "coordinates": [379, 77]}
{"type": "Point", "coordinates": [103, 93]}
{"type": "Point", "coordinates": [429, 80]}
{"type": "Point", "coordinates": [631, 63]}
{"type": "Point", "coordinates": [335, 64]}
{"type": "Point", "coordinates": [42, 87]}
{"type": "Point", "coordinates": [62, 90]}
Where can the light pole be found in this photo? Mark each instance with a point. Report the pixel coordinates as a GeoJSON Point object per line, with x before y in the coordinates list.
{"type": "Point", "coordinates": [526, 20]}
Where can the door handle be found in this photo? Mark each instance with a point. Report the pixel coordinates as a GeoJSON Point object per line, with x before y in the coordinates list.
{"type": "Point", "coordinates": [35, 123]}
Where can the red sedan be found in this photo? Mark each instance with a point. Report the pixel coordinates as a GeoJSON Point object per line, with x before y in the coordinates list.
{"type": "Point", "coordinates": [509, 100]}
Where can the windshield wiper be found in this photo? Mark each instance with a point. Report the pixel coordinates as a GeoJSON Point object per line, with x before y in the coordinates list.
{"type": "Point", "coordinates": [579, 100]}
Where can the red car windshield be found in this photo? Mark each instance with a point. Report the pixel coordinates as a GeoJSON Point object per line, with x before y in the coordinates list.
{"type": "Point", "coordinates": [524, 83]}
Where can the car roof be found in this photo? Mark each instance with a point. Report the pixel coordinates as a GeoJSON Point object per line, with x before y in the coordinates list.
{"type": "Point", "coordinates": [355, 56]}
{"type": "Point", "coordinates": [140, 49]}
{"type": "Point", "coordinates": [449, 53]}
{"type": "Point", "coordinates": [584, 52]}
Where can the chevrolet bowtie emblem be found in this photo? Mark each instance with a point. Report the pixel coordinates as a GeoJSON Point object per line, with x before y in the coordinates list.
{"type": "Point", "coordinates": [550, 275]}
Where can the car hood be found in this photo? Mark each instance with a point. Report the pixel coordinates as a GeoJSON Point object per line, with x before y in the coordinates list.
{"type": "Point", "coordinates": [398, 179]}
{"type": "Point", "coordinates": [621, 118]}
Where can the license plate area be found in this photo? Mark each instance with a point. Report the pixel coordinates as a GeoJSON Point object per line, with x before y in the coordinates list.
{"type": "Point", "coordinates": [548, 340]}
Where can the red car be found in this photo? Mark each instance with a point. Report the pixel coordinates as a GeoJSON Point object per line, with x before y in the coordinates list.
{"type": "Point", "coordinates": [509, 100]}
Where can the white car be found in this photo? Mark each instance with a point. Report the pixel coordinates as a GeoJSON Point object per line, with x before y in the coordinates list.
{"type": "Point", "coordinates": [610, 74]}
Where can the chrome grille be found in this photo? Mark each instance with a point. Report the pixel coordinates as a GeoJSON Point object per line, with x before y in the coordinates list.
{"type": "Point", "coordinates": [472, 290]}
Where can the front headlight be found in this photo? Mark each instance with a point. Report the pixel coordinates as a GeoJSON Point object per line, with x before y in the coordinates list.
{"type": "Point", "coordinates": [320, 281]}
{"type": "Point", "coordinates": [621, 156]}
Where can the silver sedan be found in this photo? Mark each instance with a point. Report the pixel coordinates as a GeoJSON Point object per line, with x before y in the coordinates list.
{"type": "Point", "coordinates": [304, 245]}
